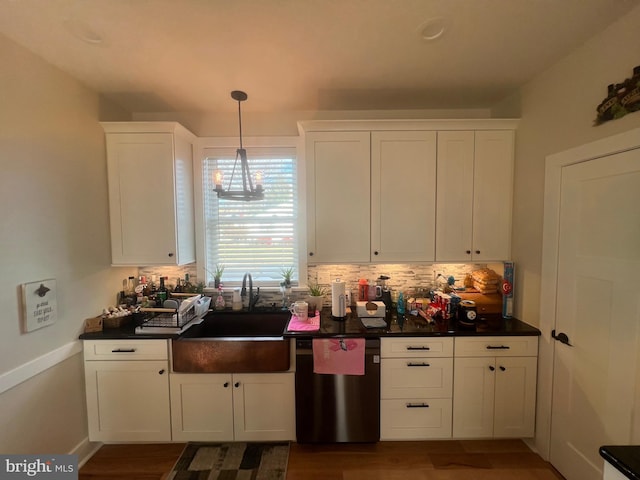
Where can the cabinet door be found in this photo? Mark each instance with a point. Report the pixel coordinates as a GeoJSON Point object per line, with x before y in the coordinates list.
{"type": "Point", "coordinates": [150, 196]}
{"type": "Point", "coordinates": [128, 400]}
{"type": "Point", "coordinates": [201, 407]}
{"type": "Point", "coordinates": [473, 397]}
{"type": "Point", "coordinates": [140, 169]}
{"type": "Point", "coordinates": [264, 406]}
{"type": "Point", "coordinates": [492, 195]}
{"type": "Point", "coordinates": [454, 214]}
{"type": "Point", "coordinates": [338, 196]}
{"type": "Point", "coordinates": [515, 397]}
{"type": "Point", "coordinates": [403, 196]}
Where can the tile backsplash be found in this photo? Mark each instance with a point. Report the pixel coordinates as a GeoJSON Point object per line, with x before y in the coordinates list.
{"type": "Point", "coordinates": [402, 277]}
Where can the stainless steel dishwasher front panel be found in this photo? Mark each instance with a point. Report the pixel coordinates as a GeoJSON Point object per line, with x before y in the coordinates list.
{"type": "Point", "coordinates": [337, 408]}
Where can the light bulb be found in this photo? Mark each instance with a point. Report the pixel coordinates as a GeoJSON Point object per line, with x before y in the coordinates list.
{"type": "Point", "coordinates": [259, 177]}
{"type": "Point", "coordinates": [218, 177]}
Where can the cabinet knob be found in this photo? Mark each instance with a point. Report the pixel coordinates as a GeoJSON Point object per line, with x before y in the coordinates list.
{"type": "Point", "coordinates": [170, 254]}
{"type": "Point", "coordinates": [502, 369]}
{"type": "Point", "coordinates": [161, 372]}
{"type": "Point", "coordinates": [237, 384]}
{"type": "Point", "coordinates": [468, 252]}
{"type": "Point", "coordinates": [375, 253]}
{"type": "Point", "coordinates": [311, 254]}
{"type": "Point", "coordinates": [477, 252]}
{"type": "Point", "coordinates": [225, 384]}
{"type": "Point", "coordinates": [492, 368]}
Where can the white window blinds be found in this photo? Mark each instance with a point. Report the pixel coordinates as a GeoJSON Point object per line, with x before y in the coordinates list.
{"type": "Point", "coordinates": [259, 237]}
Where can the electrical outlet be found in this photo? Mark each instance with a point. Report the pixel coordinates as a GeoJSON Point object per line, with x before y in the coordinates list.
{"type": "Point", "coordinates": [324, 278]}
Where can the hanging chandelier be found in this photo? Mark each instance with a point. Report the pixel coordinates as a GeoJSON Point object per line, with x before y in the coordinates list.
{"type": "Point", "coordinates": [250, 191]}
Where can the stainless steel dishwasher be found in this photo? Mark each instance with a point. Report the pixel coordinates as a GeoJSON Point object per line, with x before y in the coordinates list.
{"type": "Point", "coordinates": [337, 408]}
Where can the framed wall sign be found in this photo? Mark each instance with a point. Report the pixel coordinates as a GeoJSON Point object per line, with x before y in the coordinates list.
{"type": "Point", "coordinates": [39, 304]}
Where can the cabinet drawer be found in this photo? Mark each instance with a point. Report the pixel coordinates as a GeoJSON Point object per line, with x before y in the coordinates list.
{"type": "Point", "coordinates": [416, 378]}
{"type": "Point", "coordinates": [415, 419]}
{"type": "Point", "coordinates": [409, 347]}
{"type": "Point", "coordinates": [496, 346]}
{"type": "Point", "coordinates": [125, 350]}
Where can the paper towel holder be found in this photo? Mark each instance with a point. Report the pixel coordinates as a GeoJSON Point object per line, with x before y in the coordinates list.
{"type": "Point", "coordinates": [338, 300]}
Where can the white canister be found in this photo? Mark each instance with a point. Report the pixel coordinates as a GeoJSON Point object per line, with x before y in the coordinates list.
{"type": "Point", "coordinates": [338, 299]}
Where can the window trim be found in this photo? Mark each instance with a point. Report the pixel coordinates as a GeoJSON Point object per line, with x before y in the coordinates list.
{"type": "Point", "coordinates": [200, 147]}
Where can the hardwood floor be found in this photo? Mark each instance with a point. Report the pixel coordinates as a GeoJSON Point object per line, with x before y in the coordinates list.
{"type": "Point", "coordinates": [432, 460]}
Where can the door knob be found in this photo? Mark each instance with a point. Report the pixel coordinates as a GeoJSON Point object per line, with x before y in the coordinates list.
{"type": "Point", "coordinates": [561, 337]}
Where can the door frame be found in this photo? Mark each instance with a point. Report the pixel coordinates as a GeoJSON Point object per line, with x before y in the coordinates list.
{"type": "Point", "coordinates": [554, 164]}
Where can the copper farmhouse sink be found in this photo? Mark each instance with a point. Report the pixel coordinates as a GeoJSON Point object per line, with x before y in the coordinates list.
{"type": "Point", "coordinates": [234, 342]}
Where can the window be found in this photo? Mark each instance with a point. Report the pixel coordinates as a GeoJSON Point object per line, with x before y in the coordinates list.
{"type": "Point", "coordinates": [259, 237]}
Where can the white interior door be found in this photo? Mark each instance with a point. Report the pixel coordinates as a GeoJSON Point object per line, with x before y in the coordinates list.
{"type": "Point", "coordinates": [595, 395]}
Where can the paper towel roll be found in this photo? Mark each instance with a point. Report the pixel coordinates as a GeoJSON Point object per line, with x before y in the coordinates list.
{"type": "Point", "coordinates": [338, 299]}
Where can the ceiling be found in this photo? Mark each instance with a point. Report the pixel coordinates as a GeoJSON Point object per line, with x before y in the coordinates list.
{"type": "Point", "coordinates": [296, 55]}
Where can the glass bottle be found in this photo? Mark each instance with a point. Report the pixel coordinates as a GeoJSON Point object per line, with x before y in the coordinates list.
{"type": "Point", "coordinates": [220, 304]}
{"type": "Point", "coordinates": [400, 305]}
{"type": "Point", "coordinates": [162, 293]}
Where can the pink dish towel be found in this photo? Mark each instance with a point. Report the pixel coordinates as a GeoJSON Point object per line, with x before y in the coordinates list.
{"type": "Point", "coordinates": [338, 356]}
{"type": "Point", "coordinates": [295, 325]}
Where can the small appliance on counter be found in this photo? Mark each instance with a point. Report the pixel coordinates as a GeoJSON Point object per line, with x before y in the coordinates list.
{"type": "Point", "coordinates": [384, 291]}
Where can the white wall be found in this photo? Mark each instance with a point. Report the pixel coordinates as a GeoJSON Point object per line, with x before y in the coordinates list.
{"type": "Point", "coordinates": [53, 224]}
{"type": "Point", "coordinates": [557, 112]}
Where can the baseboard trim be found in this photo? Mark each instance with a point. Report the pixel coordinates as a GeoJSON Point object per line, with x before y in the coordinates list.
{"type": "Point", "coordinates": [85, 450]}
{"type": "Point", "coordinates": [38, 365]}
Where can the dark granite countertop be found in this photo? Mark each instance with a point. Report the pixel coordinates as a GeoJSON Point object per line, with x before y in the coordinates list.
{"type": "Point", "coordinates": [396, 325]}
{"type": "Point", "coordinates": [411, 326]}
{"type": "Point", "coordinates": [626, 458]}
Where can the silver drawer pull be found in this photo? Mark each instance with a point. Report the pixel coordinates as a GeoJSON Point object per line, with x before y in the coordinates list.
{"type": "Point", "coordinates": [422, 364]}
{"type": "Point", "coordinates": [123, 350]}
{"type": "Point", "coordinates": [417, 405]}
{"type": "Point", "coordinates": [418, 348]}
{"type": "Point", "coordinates": [498, 347]}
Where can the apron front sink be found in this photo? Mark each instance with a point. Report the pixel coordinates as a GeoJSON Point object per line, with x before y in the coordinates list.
{"type": "Point", "coordinates": [234, 342]}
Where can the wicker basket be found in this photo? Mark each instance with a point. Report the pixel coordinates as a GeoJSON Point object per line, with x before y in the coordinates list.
{"type": "Point", "coordinates": [116, 322]}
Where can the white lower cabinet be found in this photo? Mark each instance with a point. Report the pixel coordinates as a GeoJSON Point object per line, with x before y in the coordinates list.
{"type": "Point", "coordinates": [494, 391]}
{"type": "Point", "coordinates": [225, 407]}
{"type": "Point", "coordinates": [416, 388]}
{"type": "Point", "coordinates": [127, 387]}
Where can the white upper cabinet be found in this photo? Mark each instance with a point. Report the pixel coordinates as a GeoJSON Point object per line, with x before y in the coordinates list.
{"type": "Point", "coordinates": [338, 196]}
{"type": "Point", "coordinates": [474, 195]}
{"type": "Point", "coordinates": [150, 175]}
{"type": "Point", "coordinates": [409, 190]}
{"type": "Point", "coordinates": [403, 196]}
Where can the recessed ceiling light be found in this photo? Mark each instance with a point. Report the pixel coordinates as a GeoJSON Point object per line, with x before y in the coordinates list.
{"type": "Point", "coordinates": [82, 30]}
{"type": "Point", "coordinates": [433, 28]}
